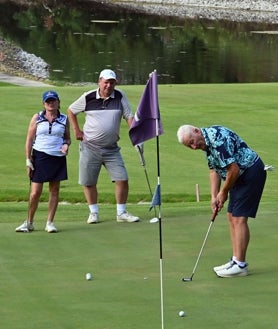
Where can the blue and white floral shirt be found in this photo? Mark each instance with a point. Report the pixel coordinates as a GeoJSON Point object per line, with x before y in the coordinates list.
{"type": "Point", "coordinates": [225, 147]}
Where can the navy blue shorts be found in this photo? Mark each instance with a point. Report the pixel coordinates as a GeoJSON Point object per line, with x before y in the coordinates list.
{"type": "Point", "coordinates": [49, 168]}
{"type": "Point", "coordinates": [246, 194]}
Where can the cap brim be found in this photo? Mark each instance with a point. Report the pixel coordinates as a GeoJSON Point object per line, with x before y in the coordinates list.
{"type": "Point", "coordinates": [56, 99]}
{"type": "Point", "coordinates": [108, 78]}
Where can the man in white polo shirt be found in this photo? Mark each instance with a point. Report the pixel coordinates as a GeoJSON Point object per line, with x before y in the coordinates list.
{"type": "Point", "coordinates": [103, 108]}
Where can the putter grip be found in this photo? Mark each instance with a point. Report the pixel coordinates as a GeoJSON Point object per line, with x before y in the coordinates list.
{"type": "Point", "coordinates": [214, 215]}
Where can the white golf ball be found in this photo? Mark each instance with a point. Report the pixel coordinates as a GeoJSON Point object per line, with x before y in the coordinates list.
{"type": "Point", "coordinates": [181, 313]}
{"type": "Point", "coordinates": [88, 276]}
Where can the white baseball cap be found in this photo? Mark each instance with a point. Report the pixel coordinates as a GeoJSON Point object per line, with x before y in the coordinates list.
{"type": "Point", "coordinates": [107, 74]}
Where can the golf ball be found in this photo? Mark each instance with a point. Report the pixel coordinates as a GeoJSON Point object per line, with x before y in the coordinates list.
{"type": "Point", "coordinates": [181, 313]}
{"type": "Point", "coordinates": [88, 276]}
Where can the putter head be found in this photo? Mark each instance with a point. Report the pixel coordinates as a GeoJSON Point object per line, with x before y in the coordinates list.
{"type": "Point", "coordinates": [186, 279]}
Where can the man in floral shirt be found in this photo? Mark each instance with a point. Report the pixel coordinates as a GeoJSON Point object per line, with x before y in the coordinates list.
{"type": "Point", "coordinates": [243, 175]}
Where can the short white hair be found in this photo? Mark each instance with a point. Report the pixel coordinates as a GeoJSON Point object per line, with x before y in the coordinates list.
{"type": "Point", "coordinates": [185, 130]}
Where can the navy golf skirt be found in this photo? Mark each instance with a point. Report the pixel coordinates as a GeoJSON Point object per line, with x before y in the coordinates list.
{"type": "Point", "coordinates": [49, 168]}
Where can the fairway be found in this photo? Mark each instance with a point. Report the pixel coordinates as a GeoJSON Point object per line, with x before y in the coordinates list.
{"type": "Point", "coordinates": [42, 276]}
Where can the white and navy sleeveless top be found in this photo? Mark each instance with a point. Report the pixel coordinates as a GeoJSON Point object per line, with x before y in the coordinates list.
{"type": "Point", "coordinates": [50, 136]}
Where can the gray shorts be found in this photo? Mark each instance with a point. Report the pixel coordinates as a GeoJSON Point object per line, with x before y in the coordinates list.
{"type": "Point", "coordinates": [91, 160]}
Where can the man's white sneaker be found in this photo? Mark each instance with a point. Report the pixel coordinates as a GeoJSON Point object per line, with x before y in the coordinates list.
{"type": "Point", "coordinates": [233, 271]}
{"type": "Point", "coordinates": [223, 266]}
{"type": "Point", "coordinates": [50, 228]}
{"type": "Point", "coordinates": [25, 227]}
{"type": "Point", "coordinates": [93, 218]}
{"type": "Point", "coordinates": [126, 217]}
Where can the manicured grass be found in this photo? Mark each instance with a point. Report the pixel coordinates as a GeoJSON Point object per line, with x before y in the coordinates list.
{"type": "Point", "coordinates": [42, 276]}
{"type": "Point", "coordinates": [251, 110]}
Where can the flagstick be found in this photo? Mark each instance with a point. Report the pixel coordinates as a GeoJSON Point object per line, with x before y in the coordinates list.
{"type": "Point", "coordinates": [161, 272]}
{"type": "Point", "coordinates": [142, 129]}
{"type": "Point", "coordinates": [160, 230]}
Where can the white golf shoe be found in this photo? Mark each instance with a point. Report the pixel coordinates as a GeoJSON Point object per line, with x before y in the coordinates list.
{"type": "Point", "coordinates": [233, 270]}
{"type": "Point", "coordinates": [26, 227]}
{"type": "Point", "coordinates": [50, 228]}
{"type": "Point", "coordinates": [93, 218]}
{"type": "Point", "coordinates": [223, 266]}
{"type": "Point", "coordinates": [127, 217]}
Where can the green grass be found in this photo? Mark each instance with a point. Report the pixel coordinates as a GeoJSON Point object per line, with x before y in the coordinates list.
{"type": "Point", "coordinates": [248, 109]}
{"type": "Point", "coordinates": [42, 276]}
{"type": "Point", "coordinates": [5, 84]}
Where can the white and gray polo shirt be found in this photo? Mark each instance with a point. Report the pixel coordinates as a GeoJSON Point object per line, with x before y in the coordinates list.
{"type": "Point", "coordinates": [103, 116]}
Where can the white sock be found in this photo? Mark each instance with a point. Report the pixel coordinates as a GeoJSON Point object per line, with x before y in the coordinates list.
{"type": "Point", "coordinates": [234, 259]}
{"type": "Point", "coordinates": [241, 264]}
{"type": "Point", "coordinates": [121, 208]}
{"type": "Point", "coordinates": [93, 208]}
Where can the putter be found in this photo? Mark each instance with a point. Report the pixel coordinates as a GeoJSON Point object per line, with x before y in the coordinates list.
{"type": "Point", "coordinates": [200, 253]}
{"type": "Point", "coordinates": [30, 183]}
{"type": "Point", "coordinates": [28, 209]}
{"type": "Point", "coordinates": [143, 163]}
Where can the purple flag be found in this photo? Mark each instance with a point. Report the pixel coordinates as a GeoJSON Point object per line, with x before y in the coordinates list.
{"type": "Point", "coordinates": [146, 123]}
